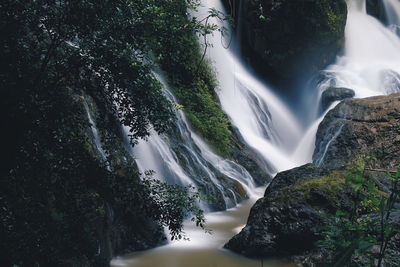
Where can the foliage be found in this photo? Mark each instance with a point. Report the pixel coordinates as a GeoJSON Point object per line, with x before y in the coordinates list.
{"type": "Point", "coordinates": [356, 231]}
{"type": "Point", "coordinates": [330, 186]}
{"type": "Point", "coordinates": [51, 184]}
{"type": "Point", "coordinates": [175, 204]}
{"type": "Point", "coordinates": [58, 187]}
{"type": "Point", "coordinates": [191, 77]}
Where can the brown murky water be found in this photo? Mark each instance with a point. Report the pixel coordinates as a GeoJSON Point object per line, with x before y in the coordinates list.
{"type": "Point", "coordinates": [203, 250]}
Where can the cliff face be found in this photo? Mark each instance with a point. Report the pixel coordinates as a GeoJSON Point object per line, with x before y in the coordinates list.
{"type": "Point", "coordinates": [298, 202]}
{"type": "Point", "coordinates": [286, 39]}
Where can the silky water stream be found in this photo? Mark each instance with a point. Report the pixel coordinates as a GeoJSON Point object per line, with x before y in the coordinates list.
{"type": "Point", "coordinates": [370, 65]}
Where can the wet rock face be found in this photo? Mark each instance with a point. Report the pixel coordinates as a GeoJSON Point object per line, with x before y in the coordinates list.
{"type": "Point", "coordinates": [285, 37]}
{"type": "Point", "coordinates": [376, 8]}
{"type": "Point", "coordinates": [228, 192]}
{"type": "Point", "coordinates": [358, 127]}
{"type": "Point", "coordinates": [333, 94]}
{"type": "Point", "coordinates": [285, 222]}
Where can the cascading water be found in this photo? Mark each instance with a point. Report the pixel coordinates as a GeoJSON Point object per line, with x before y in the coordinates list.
{"type": "Point", "coordinates": [183, 158]}
{"type": "Point", "coordinates": [266, 124]}
{"type": "Point", "coordinates": [370, 65]}
{"type": "Point", "coordinates": [96, 136]}
{"type": "Point", "coordinates": [392, 9]}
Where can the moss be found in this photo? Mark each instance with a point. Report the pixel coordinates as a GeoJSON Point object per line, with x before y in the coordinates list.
{"type": "Point", "coordinates": [193, 81]}
{"type": "Point", "coordinates": [334, 21]}
{"type": "Point", "coordinates": [331, 186]}
{"type": "Point", "coordinates": [322, 193]}
{"type": "Point", "coordinates": [312, 167]}
{"type": "Point", "coordinates": [206, 118]}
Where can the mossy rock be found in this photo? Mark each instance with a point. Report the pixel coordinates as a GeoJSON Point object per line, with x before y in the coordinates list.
{"type": "Point", "coordinates": [285, 39]}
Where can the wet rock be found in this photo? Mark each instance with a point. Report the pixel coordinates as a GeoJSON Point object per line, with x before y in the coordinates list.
{"type": "Point", "coordinates": [285, 39]}
{"type": "Point", "coordinates": [333, 94]}
{"type": "Point", "coordinates": [298, 202]}
{"type": "Point", "coordinates": [286, 221]}
{"type": "Point", "coordinates": [376, 8]}
{"type": "Point", "coordinates": [250, 159]}
{"type": "Point", "coordinates": [359, 127]}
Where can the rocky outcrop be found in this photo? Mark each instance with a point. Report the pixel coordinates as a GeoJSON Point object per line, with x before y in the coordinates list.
{"type": "Point", "coordinates": [333, 94]}
{"type": "Point", "coordinates": [285, 39]}
{"type": "Point", "coordinates": [248, 158]}
{"type": "Point", "coordinates": [287, 220]}
{"type": "Point", "coordinates": [376, 8]}
{"type": "Point", "coordinates": [358, 127]}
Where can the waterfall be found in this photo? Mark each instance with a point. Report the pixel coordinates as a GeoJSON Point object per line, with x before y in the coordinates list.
{"type": "Point", "coordinates": [182, 157]}
{"type": "Point", "coordinates": [392, 9]}
{"type": "Point", "coordinates": [370, 64]}
{"type": "Point", "coordinates": [265, 122]}
{"type": "Point", "coordinates": [96, 136]}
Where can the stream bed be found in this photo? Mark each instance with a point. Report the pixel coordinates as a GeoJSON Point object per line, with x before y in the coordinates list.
{"type": "Point", "coordinates": [203, 249]}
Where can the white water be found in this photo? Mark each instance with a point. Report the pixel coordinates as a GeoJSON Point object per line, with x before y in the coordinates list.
{"type": "Point", "coordinates": [266, 123]}
{"type": "Point", "coordinates": [96, 136]}
{"type": "Point", "coordinates": [371, 61]}
{"type": "Point", "coordinates": [392, 9]}
{"type": "Point", "coordinates": [160, 155]}
{"type": "Point", "coordinates": [369, 66]}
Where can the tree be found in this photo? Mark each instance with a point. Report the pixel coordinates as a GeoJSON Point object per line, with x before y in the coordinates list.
{"type": "Point", "coordinates": [52, 53]}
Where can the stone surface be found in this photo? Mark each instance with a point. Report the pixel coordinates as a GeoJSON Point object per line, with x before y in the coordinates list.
{"type": "Point", "coordinates": [376, 8]}
{"type": "Point", "coordinates": [285, 39]}
{"type": "Point", "coordinates": [333, 94]}
{"type": "Point", "coordinates": [285, 222]}
{"type": "Point", "coordinates": [358, 127]}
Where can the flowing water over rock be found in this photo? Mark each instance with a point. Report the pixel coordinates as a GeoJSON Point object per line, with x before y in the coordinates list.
{"type": "Point", "coordinates": [370, 65]}
{"type": "Point", "coordinates": [182, 157]}
{"type": "Point", "coordinates": [392, 8]}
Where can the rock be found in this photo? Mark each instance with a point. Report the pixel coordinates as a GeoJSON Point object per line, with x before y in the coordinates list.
{"type": "Point", "coordinates": [333, 94]}
{"type": "Point", "coordinates": [376, 8]}
{"type": "Point", "coordinates": [359, 127]}
{"type": "Point", "coordinates": [297, 203]}
{"type": "Point", "coordinates": [285, 39]}
{"type": "Point", "coordinates": [227, 193]}
{"type": "Point", "coordinates": [250, 160]}
{"type": "Point", "coordinates": [286, 221]}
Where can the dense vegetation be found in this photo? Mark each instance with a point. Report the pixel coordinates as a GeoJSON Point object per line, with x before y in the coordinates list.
{"type": "Point", "coordinates": [59, 203]}
{"type": "Point", "coordinates": [191, 76]}
{"type": "Point", "coordinates": [363, 232]}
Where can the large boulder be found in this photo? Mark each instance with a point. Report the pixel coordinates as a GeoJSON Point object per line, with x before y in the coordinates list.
{"type": "Point", "coordinates": [333, 94]}
{"type": "Point", "coordinates": [298, 202]}
{"type": "Point", "coordinates": [285, 39]}
{"type": "Point", "coordinates": [286, 220]}
{"type": "Point", "coordinates": [358, 127]}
